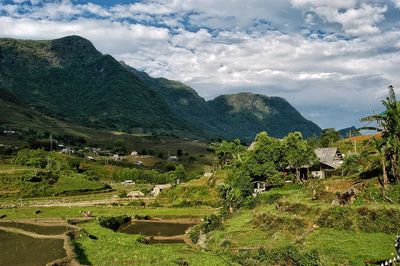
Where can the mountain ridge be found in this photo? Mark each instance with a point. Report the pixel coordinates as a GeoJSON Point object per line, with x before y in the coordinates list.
{"type": "Point", "coordinates": [69, 78]}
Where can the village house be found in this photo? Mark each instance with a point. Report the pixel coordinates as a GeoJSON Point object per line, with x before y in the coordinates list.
{"type": "Point", "coordinates": [135, 194]}
{"type": "Point", "coordinates": [158, 188]}
{"type": "Point", "coordinates": [117, 158]}
{"type": "Point", "coordinates": [330, 159]}
{"type": "Point", "coordinates": [173, 158]}
{"type": "Point", "coordinates": [128, 182]}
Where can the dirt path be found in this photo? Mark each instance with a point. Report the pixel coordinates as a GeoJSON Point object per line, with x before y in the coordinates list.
{"type": "Point", "coordinates": [66, 202]}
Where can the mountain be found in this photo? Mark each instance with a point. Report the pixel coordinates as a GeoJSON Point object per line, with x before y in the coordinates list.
{"type": "Point", "coordinates": [349, 131]}
{"type": "Point", "coordinates": [69, 79]}
{"type": "Point", "coordinates": [230, 116]}
{"type": "Point", "coordinates": [246, 113]}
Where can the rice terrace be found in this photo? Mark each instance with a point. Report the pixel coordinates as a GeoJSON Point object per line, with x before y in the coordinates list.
{"type": "Point", "coordinates": [153, 132]}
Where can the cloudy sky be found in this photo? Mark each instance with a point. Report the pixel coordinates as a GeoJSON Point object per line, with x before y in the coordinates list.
{"type": "Point", "coordinates": [332, 60]}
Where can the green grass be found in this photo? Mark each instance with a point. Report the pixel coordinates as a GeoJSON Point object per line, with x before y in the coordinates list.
{"type": "Point", "coordinates": [194, 193]}
{"type": "Point", "coordinates": [336, 246]}
{"type": "Point", "coordinates": [68, 212]}
{"type": "Point", "coordinates": [75, 182]}
{"type": "Point", "coordinates": [113, 248]}
{"type": "Point", "coordinates": [350, 248]}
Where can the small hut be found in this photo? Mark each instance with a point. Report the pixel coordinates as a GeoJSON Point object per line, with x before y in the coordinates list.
{"type": "Point", "coordinates": [330, 159]}
{"type": "Point", "coordinates": [135, 194]}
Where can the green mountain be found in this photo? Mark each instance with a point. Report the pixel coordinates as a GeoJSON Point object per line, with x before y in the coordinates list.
{"type": "Point", "coordinates": [349, 132]}
{"type": "Point", "coordinates": [230, 116]}
{"type": "Point", "coordinates": [69, 79]}
{"type": "Point", "coordinates": [246, 113]}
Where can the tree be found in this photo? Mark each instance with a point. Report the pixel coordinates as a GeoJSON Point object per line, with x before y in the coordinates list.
{"type": "Point", "coordinates": [264, 159]}
{"type": "Point", "coordinates": [328, 137]}
{"type": "Point", "coordinates": [298, 153]}
{"type": "Point", "coordinates": [388, 124]}
{"type": "Point", "coordinates": [228, 151]}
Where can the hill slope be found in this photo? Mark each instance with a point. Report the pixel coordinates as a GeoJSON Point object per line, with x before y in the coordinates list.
{"type": "Point", "coordinates": [68, 78]}
{"type": "Point", "coordinates": [230, 116]}
{"type": "Point", "coordinates": [246, 113]}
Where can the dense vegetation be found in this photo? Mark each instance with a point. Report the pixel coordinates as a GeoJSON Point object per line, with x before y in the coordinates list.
{"type": "Point", "coordinates": [349, 219]}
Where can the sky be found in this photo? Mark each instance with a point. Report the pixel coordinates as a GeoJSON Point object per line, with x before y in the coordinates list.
{"type": "Point", "coordinates": [332, 60]}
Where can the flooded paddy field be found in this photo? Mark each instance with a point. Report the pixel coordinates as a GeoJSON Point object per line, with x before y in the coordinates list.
{"type": "Point", "coordinates": [38, 229]}
{"type": "Point", "coordinates": [18, 249]}
{"type": "Point", "coordinates": [158, 231]}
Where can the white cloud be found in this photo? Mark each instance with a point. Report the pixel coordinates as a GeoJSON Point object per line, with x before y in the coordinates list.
{"type": "Point", "coordinates": [314, 71]}
{"type": "Point", "coordinates": [355, 19]}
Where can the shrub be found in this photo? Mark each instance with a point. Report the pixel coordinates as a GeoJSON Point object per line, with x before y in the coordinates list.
{"type": "Point", "coordinates": [337, 217]}
{"type": "Point", "coordinates": [362, 219]}
{"type": "Point", "coordinates": [34, 158]}
{"type": "Point", "coordinates": [287, 255]}
{"type": "Point", "coordinates": [194, 233]}
{"type": "Point", "coordinates": [277, 180]}
{"type": "Point", "coordinates": [211, 222]}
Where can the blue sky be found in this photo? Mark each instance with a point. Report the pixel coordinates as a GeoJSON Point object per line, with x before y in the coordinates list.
{"type": "Point", "coordinates": [332, 60]}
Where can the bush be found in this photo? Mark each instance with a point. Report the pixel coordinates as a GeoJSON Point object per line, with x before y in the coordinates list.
{"type": "Point", "coordinates": [288, 255]}
{"type": "Point", "coordinates": [337, 217]}
{"type": "Point", "coordinates": [114, 222]}
{"type": "Point", "coordinates": [194, 233]}
{"type": "Point", "coordinates": [34, 158]}
{"type": "Point", "coordinates": [361, 219]}
{"type": "Point", "coordinates": [277, 180]}
{"type": "Point", "coordinates": [211, 222]}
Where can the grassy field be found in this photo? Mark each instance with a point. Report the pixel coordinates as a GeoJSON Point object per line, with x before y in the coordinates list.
{"type": "Point", "coordinates": [289, 217]}
{"type": "Point", "coordinates": [113, 248]}
{"type": "Point", "coordinates": [295, 215]}
{"type": "Point", "coordinates": [70, 212]}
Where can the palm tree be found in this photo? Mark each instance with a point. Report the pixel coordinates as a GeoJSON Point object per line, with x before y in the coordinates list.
{"type": "Point", "coordinates": [388, 124]}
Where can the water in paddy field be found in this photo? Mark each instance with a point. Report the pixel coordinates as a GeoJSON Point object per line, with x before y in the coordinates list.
{"type": "Point", "coordinates": [166, 230]}
{"type": "Point", "coordinates": [17, 249]}
{"type": "Point", "coordinates": [43, 230]}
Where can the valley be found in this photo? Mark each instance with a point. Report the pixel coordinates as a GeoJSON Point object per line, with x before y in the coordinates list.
{"type": "Point", "coordinates": [102, 164]}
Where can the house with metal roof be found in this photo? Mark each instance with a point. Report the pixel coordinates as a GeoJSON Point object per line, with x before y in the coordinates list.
{"type": "Point", "coordinates": [330, 159]}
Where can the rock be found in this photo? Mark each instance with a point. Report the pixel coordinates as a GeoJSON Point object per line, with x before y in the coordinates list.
{"type": "Point", "coordinates": [348, 196]}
